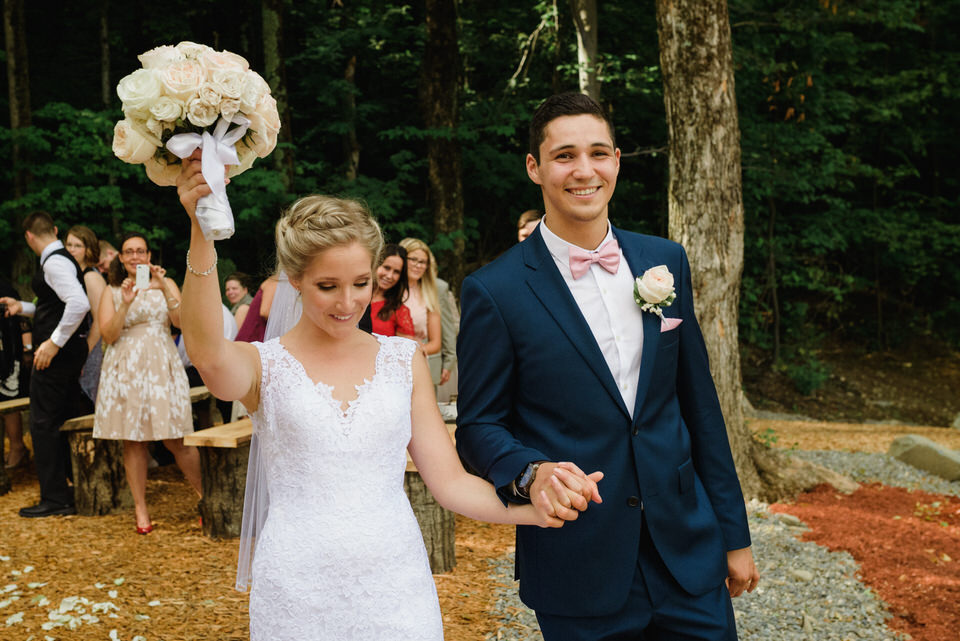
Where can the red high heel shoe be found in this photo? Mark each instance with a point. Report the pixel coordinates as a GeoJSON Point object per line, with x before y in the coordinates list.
{"type": "Point", "coordinates": [145, 530]}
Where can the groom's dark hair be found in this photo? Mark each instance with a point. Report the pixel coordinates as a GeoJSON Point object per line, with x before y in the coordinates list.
{"type": "Point", "coordinates": [564, 104]}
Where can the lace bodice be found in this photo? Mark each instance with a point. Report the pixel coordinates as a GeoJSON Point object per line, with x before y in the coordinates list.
{"type": "Point", "coordinates": [340, 555]}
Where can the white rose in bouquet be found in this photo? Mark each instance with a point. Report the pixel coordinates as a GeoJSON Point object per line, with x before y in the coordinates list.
{"type": "Point", "coordinates": [228, 83]}
{"type": "Point", "coordinates": [208, 93]}
{"type": "Point", "coordinates": [264, 127]}
{"type": "Point", "coordinates": [246, 156]}
{"type": "Point", "coordinates": [139, 90]}
{"type": "Point", "coordinates": [160, 57]}
{"type": "Point", "coordinates": [183, 79]}
{"type": "Point", "coordinates": [192, 50]}
{"type": "Point", "coordinates": [162, 172]}
{"type": "Point", "coordinates": [167, 109]}
{"type": "Point", "coordinates": [229, 107]}
{"type": "Point", "coordinates": [222, 61]}
{"type": "Point", "coordinates": [132, 143]}
{"type": "Point", "coordinates": [254, 89]}
{"type": "Point", "coordinates": [202, 113]}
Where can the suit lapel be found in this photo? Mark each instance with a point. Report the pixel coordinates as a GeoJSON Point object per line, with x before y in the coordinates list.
{"type": "Point", "coordinates": [548, 286]}
{"type": "Point", "coordinates": [639, 262]}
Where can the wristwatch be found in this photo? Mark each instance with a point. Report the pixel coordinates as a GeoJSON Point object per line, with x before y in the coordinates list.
{"type": "Point", "coordinates": [526, 479]}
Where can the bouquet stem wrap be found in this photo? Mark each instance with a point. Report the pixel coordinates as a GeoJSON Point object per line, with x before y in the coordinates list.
{"type": "Point", "coordinates": [213, 210]}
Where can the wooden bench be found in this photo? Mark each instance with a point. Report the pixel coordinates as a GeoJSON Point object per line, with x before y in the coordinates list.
{"type": "Point", "coordinates": [99, 478]}
{"type": "Point", "coordinates": [8, 407]}
{"type": "Point", "coordinates": [224, 451]}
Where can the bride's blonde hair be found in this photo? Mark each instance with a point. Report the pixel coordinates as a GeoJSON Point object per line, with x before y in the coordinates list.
{"type": "Point", "coordinates": [317, 223]}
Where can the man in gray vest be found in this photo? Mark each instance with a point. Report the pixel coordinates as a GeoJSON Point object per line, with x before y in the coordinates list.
{"type": "Point", "coordinates": [59, 328]}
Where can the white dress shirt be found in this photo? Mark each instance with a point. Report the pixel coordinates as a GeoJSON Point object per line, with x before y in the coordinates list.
{"type": "Point", "coordinates": [606, 302]}
{"type": "Point", "coordinates": [61, 275]}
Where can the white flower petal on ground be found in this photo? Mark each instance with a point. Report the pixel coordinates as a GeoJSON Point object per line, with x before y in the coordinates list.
{"type": "Point", "coordinates": [119, 581]}
{"type": "Point", "coordinates": [112, 594]}
{"type": "Point", "coordinates": [34, 586]}
{"type": "Point", "coordinates": [154, 604]}
{"type": "Point", "coordinates": [10, 587]}
{"type": "Point", "coordinates": [14, 619]}
{"type": "Point", "coordinates": [28, 569]}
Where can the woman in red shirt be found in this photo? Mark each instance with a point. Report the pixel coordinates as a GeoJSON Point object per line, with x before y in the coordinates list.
{"type": "Point", "coordinates": [389, 315]}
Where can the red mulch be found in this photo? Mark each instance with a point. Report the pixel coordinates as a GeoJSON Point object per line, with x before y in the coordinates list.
{"type": "Point", "coordinates": [907, 544]}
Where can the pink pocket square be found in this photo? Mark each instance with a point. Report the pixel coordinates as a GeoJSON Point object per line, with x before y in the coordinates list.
{"type": "Point", "coordinates": [666, 324]}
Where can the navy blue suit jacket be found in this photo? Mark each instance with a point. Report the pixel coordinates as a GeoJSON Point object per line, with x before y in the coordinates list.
{"type": "Point", "coordinates": [535, 386]}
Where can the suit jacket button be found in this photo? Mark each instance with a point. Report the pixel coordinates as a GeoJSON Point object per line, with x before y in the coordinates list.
{"type": "Point", "coordinates": [636, 431]}
{"type": "Point", "coordinates": [633, 501]}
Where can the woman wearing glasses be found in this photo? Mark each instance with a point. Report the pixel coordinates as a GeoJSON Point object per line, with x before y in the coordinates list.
{"type": "Point", "coordinates": [144, 394]}
{"type": "Point", "coordinates": [423, 302]}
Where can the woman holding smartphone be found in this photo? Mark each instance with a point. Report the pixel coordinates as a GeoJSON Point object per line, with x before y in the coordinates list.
{"type": "Point", "coordinates": [144, 394]}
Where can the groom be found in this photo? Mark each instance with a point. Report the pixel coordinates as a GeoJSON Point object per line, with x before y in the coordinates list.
{"type": "Point", "coordinates": [560, 364]}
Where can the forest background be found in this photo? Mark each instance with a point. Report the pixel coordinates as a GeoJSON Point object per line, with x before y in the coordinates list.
{"type": "Point", "coordinates": [848, 112]}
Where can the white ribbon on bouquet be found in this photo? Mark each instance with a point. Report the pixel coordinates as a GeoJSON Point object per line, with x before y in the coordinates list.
{"type": "Point", "coordinates": [213, 210]}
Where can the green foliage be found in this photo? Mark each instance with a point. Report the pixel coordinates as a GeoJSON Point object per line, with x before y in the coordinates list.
{"type": "Point", "coordinates": [847, 126]}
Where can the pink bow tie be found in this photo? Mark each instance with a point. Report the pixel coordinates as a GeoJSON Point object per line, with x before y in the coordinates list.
{"type": "Point", "coordinates": [608, 256]}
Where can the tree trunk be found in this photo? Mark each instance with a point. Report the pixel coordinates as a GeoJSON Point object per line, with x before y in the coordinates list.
{"type": "Point", "coordinates": [439, 88]}
{"type": "Point", "coordinates": [21, 263]}
{"type": "Point", "coordinates": [275, 74]}
{"type": "Point", "coordinates": [106, 96]}
{"type": "Point", "coordinates": [351, 146]}
{"type": "Point", "coordinates": [437, 525]}
{"type": "Point", "coordinates": [4, 478]}
{"type": "Point", "coordinates": [706, 216]}
{"type": "Point", "coordinates": [585, 21]}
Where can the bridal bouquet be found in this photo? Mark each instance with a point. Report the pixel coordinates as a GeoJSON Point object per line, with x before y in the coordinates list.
{"type": "Point", "coordinates": [190, 96]}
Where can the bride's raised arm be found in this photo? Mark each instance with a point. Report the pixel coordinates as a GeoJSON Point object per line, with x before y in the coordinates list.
{"type": "Point", "coordinates": [231, 371]}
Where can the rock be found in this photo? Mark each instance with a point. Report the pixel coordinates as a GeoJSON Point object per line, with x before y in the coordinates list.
{"type": "Point", "coordinates": [789, 519]}
{"type": "Point", "coordinates": [924, 454]}
{"type": "Point", "coordinates": [802, 575]}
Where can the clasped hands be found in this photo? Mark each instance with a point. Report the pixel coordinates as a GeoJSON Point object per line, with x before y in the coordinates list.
{"type": "Point", "coordinates": [562, 490]}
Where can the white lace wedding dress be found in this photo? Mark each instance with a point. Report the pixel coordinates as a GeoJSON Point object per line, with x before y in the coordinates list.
{"type": "Point", "coordinates": [340, 556]}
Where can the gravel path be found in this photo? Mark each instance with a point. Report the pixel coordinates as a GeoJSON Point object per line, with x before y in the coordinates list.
{"type": "Point", "coordinates": [806, 591]}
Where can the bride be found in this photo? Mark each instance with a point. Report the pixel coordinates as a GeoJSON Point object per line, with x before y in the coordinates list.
{"type": "Point", "coordinates": [339, 555]}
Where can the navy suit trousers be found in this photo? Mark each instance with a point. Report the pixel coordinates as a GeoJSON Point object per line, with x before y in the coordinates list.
{"type": "Point", "coordinates": [658, 609]}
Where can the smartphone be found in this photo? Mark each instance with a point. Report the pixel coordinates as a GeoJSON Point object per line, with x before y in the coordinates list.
{"type": "Point", "coordinates": [143, 276]}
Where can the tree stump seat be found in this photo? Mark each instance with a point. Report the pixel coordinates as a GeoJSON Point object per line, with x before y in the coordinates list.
{"type": "Point", "coordinates": [8, 407]}
{"type": "Point", "coordinates": [99, 478]}
{"type": "Point", "coordinates": [224, 450]}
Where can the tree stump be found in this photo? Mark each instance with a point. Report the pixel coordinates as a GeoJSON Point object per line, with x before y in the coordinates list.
{"type": "Point", "coordinates": [437, 524]}
{"type": "Point", "coordinates": [224, 480]}
{"type": "Point", "coordinates": [99, 481]}
{"type": "Point", "coordinates": [4, 478]}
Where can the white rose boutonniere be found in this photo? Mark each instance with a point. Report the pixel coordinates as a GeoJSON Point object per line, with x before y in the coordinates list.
{"type": "Point", "coordinates": [654, 290]}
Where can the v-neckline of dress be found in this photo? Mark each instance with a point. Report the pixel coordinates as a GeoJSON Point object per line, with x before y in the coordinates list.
{"type": "Point", "coordinates": [327, 389]}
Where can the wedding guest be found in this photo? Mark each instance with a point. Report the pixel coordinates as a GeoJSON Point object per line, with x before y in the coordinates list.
{"type": "Point", "coordinates": [424, 303]}
{"type": "Point", "coordinates": [339, 554]}
{"type": "Point", "coordinates": [107, 253]}
{"type": "Point", "coordinates": [527, 223]}
{"type": "Point", "coordinates": [144, 394]}
{"type": "Point", "coordinates": [59, 326]}
{"type": "Point", "coordinates": [235, 289]}
{"type": "Point", "coordinates": [11, 356]}
{"type": "Point", "coordinates": [389, 316]}
{"type": "Point", "coordinates": [83, 246]}
{"type": "Point", "coordinates": [255, 322]}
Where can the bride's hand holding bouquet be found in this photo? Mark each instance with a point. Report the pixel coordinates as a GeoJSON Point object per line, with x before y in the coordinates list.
{"type": "Point", "coordinates": [188, 97]}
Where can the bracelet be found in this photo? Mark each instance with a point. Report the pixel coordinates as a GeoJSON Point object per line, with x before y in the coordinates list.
{"type": "Point", "coordinates": [170, 309]}
{"type": "Point", "coordinates": [204, 273]}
